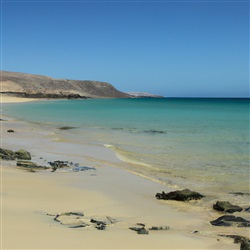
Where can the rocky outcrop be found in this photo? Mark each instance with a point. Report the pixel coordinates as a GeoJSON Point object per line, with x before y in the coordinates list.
{"type": "Point", "coordinates": [7, 154]}
{"type": "Point", "coordinates": [37, 86]}
{"type": "Point", "coordinates": [244, 242]}
{"type": "Point", "coordinates": [21, 154]}
{"type": "Point", "coordinates": [180, 195]}
{"type": "Point", "coordinates": [159, 228]}
{"type": "Point", "coordinates": [71, 219]}
{"type": "Point", "coordinates": [140, 228]}
{"type": "Point", "coordinates": [77, 219]}
{"type": "Point", "coordinates": [30, 166]}
{"type": "Point", "coordinates": [226, 207]}
{"type": "Point", "coordinates": [230, 220]}
{"type": "Point", "coordinates": [247, 209]}
{"type": "Point", "coordinates": [58, 164]}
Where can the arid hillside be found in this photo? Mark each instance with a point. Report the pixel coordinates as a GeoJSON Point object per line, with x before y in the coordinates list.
{"type": "Point", "coordinates": [37, 86]}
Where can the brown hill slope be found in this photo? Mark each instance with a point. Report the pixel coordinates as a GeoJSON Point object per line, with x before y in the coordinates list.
{"type": "Point", "coordinates": [37, 86]}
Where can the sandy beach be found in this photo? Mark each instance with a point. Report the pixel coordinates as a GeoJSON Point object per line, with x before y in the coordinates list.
{"type": "Point", "coordinates": [14, 99]}
{"type": "Point", "coordinates": [31, 200]}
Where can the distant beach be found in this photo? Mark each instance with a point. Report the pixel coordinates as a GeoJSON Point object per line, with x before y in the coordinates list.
{"type": "Point", "coordinates": [110, 189]}
{"type": "Point", "coordinates": [13, 99]}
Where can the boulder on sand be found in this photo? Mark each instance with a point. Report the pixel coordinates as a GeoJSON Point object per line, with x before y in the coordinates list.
{"type": "Point", "coordinates": [23, 155]}
{"type": "Point", "coordinates": [179, 195]}
{"type": "Point", "coordinates": [230, 220]}
{"type": "Point", "coordinates": [7, 154]}
{"type": "Point", "coordinates": [227, 207]}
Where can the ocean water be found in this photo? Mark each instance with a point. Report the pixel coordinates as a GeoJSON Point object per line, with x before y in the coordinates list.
{"type": "Point", "coordinates": [195, 143]}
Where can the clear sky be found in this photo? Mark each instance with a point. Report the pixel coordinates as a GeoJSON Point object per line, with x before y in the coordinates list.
{"type": "Point", "coordinates": [170, 48]}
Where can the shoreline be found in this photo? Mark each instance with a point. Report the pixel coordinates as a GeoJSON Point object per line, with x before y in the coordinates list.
{"type": "Point", "coordinates": [104, 192]}
{"type": "Point", "coordinates": [4, 99]}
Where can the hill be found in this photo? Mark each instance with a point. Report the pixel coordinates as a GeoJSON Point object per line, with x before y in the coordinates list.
{"type": "Point", "coordinates": [37, 86]}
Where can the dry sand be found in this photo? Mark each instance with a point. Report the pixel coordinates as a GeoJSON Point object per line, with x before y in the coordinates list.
{"type": "Point", "coordinates": [13, 99]}
{"type": "Point", "coordinates": [27, 198]}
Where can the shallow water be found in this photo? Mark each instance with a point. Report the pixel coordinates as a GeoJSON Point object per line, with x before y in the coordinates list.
{"type": "Point", "coordinates": [195, 143]}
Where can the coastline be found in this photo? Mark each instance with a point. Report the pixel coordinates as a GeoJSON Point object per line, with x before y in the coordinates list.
{"type": "Point", "coordinates": [4, 99]}
{"type": "Point", "coordinates": [107, 191]}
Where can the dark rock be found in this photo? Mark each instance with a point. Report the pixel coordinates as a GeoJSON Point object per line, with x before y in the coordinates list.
{"type": "Point", "coordinates": [227, 207]}
{"type": "Point", "coordinates": [71, 219]}
{"type": "Point", "coordinates": [159, 228]}
{"type": "Point", "coordinates": [82, 168]}
{"type": "Point", "coordinates": [26, 164]}
{"type": "Point", "coordinates": [195, 232]}
{"type": "Point", "coordinates": [142, 231]}
{"type": "Point", "coordinates": [23, 155]}
{"type": "Point", "coordinates": [180, 195]}
{"type": "Point", "coordinates": [245, 244]}
{"type": "Point", "coordinates": [10, 131]}
{"type": "Point", "coordinates": [58, 164]}
{"type": "Point", "coordinates": [66, 128]}
{"type": "Point", "coordinates": [7, 154]}
{"type": "Point", "coordinates": [77, 220]}
{"type": "Point", "coordinates": [230, 220]}
{"type": "Point", "coordinates": [75, 96]}
{"type": "Point", "coordinates": [247, 209]}
{"type": "Point", "coordinates": [139, 230]}
{"type": "Point", "coordinates": [100, 227]}
{"type": "Point", "coordinates": [56, 218]}
{"type": "Point", "coordinates": [73, 213]}
{"type": "Point", "coordinates": [153, 131]}
{"type": "Point", "coordinates": [98, 222]}
{"type": "Point", "coordinates": [239, 193]}
{"type": "Point", "coordinates": [78, 226]}
{"type": "Point", "coordinates": [237, 238]}
{"type": "Point", "coordinates": [29, 165]}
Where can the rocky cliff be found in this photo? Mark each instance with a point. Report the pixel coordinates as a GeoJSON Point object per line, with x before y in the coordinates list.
{"type": "Point", "coordinates": [37, 86]}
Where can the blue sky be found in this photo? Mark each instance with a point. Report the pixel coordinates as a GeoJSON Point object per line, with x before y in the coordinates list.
{"type": "Point", "coordinates": [170, 48]}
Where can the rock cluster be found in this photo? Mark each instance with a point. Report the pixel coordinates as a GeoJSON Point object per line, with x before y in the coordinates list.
{"type": "Point", "coordinates": [77, 220]}
{"type": "Point", "coordinates": [140, 228]}
{"type": "Point", "coordinates": [58, 164]}
{"type": "Point", "coordinates": [21, 154]}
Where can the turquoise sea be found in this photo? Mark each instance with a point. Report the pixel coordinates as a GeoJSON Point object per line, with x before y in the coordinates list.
{"type": "Point", "coordinates": [195, 143]}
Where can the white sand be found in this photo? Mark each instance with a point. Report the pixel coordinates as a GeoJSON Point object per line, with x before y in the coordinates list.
{"type": "Point", "coordinates": [107, 191]}
{"type": "Point", "coordinates": [13, 99]}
